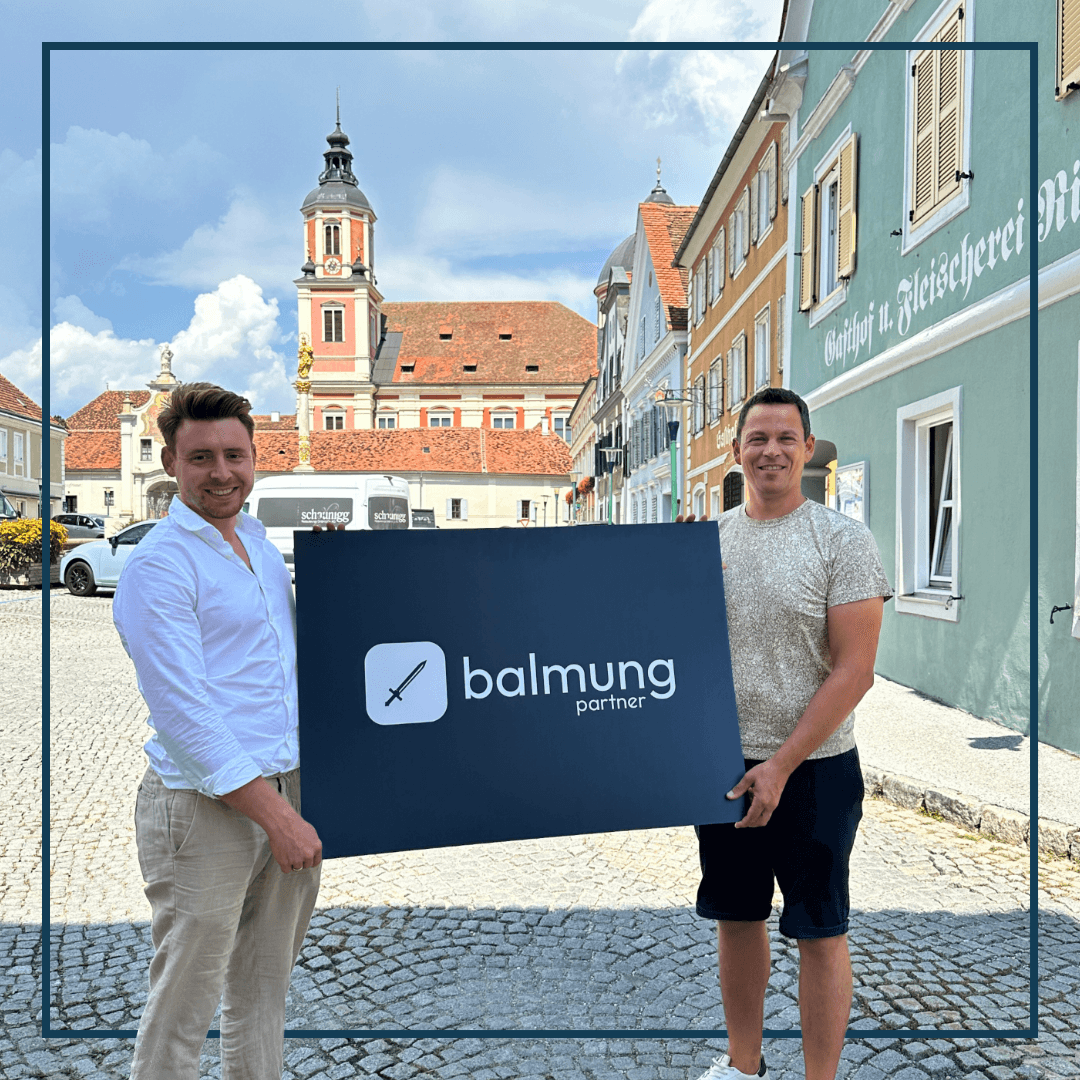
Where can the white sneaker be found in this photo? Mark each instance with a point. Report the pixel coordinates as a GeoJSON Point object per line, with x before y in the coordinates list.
{"type": "Point", "coordinates": [722, 1069]}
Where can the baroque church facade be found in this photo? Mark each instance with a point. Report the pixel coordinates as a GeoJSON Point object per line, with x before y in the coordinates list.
{"type": "Point", "coordinates": [370, 374]}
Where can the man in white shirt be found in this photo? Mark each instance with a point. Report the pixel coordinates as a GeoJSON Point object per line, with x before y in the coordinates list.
{"type": "Point", "coordinates": [205, 610]}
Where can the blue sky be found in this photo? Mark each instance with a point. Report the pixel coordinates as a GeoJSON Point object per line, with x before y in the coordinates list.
{"type": "Point", "coordinates": [177, 175]}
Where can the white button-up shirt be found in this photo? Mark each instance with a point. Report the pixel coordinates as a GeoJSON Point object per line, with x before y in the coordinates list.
{"type": "Point", "coordinates": [214, 647]}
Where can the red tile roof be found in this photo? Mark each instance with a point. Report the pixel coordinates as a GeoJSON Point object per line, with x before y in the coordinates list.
{"type": "Point", "coordinates": [665, 226]}
{"type": "Point", "coordinates": [263, 422]}
{"type": "Point", "coordinates": [13, 400]}
{"type": "Point", "coordinates": [102, 413]}
{"type": "Point", "coordinates": [469, 450]}
{"type": "Point", "coordinates": [557, 340]}
{"type": "Point", "coordinates": [94, 442]}
{"type": "Point", "coordinates": [92, 450]}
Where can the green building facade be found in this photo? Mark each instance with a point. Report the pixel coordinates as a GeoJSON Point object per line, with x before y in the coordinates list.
{"type": "Point", "coordinates": [909, 335]}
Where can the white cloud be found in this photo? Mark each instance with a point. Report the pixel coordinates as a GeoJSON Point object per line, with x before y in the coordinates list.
{"type": "Point", "coordinates": [473, 214]}
{"type": "Point", "coordinates": [418, 278]}
{"type": "Point", "coordinates": [23, 368]}
{"type": "Point", "coordinates": [719, 84]}
{"type": "Point", "coordinates": [71, 309]}
{"type": "Point", "coordinates": [246, 240]}
{"type": "Point", "coordinates": [230, 340]}
{"type": "Point", "coordinates": [93, 172]}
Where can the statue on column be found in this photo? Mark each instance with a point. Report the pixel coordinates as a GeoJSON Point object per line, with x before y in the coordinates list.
{"type": "Point", "coordinates": [166, 359]}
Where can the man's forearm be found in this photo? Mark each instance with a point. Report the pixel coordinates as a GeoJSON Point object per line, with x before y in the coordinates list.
{"type": "Point", "coordinates": [842, 690]}
{"type": "Point", "coordinates": [294, 844]}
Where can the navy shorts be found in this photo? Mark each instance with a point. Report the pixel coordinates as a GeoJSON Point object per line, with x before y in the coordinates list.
{"type": "Point", "coordinates": [806, 844]}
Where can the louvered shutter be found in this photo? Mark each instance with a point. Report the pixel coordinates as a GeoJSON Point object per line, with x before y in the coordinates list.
{"type": "Point", "coordinates": [950, 80]}
{"type": "Point", "coordinates": [710, 274]}
{"type": "Point", "coordinates": [771, 170]}
{"type": "Point", "coordinates": [847, 198]}
{"type": "Point", "coordinates": [754, 208]}
{"type": "Point", "coordinates": [731, 244]}
{"type": "Point", "coordinates": [923, 164]}
{"type": "Point", "coordinates": [1068, 46]}
{"type": "Point", "coordinates": [722, 244]}
{"type": "Point", "coordinates": [745, 203]}
{"type": "Point", "coordinates": [449, 509]}
{"type": "Point", "coordinates": [783, 165]}
{"type": "Point", "coordinates": [532, 511]}
{"type": "Point", "coordinates": [464, 509]}
{"type": "Point", "coordinates": [808, 260]}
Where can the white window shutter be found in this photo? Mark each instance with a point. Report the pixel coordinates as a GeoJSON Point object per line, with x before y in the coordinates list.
{"type": "Point", "coordinates": [711, 275]}
{"type": "Point", "coordinates": [746, 231]}
{"type": "Point", "coordinates": [464, 509]}
{"type": "Point", "coordinates": [950, 65]}
{"type": "Point", "coordinates": [772, 171]}
{"type": "Point", "coordinates": [517, 515]}
{"type": "Point", "coordinates": [731, 244]}
{"type": "Point", "coordinates": [847, 198]}
{"type": "Point", "coordinates": [532, 511]}
{"type": "Point", "coordinates": [1068, 46]}
{"type": "Point", "coordinates": [923, 179]}
{"type": "Point", "coordinates": [783, 165]}
{"type": "Point", "coordinates": [808, 259]}
{"type": "Point", "coordinates": [720, 259]}
{"type": "Point", "coordinates": [754, 208]}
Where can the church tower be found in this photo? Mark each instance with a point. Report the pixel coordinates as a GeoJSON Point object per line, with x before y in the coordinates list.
{"type": "Point", "coordinates": [338, 305]}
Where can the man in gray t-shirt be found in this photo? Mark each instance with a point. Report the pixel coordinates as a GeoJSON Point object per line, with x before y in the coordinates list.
{"type": "Point", "coordinates": [804, 588]}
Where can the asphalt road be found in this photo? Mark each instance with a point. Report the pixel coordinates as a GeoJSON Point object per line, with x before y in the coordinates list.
{"type": "Point", "coordinates": [589, 933]}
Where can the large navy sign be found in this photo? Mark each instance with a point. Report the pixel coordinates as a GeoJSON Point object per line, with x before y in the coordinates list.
{"type": "Point", "coordinates": [472, 686]}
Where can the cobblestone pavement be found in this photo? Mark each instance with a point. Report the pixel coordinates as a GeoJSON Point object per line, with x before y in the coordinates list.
{"type": "Point", "coordinates": [588, 932]}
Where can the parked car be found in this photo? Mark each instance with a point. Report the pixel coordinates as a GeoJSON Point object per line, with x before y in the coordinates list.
{"type": "Point", "coordinates": [82, 526]}
{"type": "Point", "coordinates": [98, 564]}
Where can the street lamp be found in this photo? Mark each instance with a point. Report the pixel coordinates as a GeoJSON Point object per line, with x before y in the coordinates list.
{"type": "Point", "coordinates": [671, 403]}
{"type": "Point", "coordinates": [612, 457]}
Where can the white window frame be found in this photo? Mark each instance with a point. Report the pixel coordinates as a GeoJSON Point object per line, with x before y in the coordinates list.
{"type": "Point", "coordinates": [336, 309]}
{"type": "Point", "coordinates": [764, 223]}
{"type": "Point", "coordinates": [331, 418]}
{"type": "Point", "coordinates": [697, 499]}
{"type": "Point", "coordinates": [657, 317]}
{"type": "Point", "coordinates": [762, 332]}
{"type": "Point", "coordinates": [564, 420]}
{"type": "Point", "coordinates": [823, 173]}
{"type": "Point", "coordinates": [444, 417]}
{"type": "Point", "coordinates": [18, 454]}
{"type": "Point", "coordinates": [914, 593]}
{"type": "Point", "coordinates": [460, 512]}
{"type": "Point", "coordinates": [3, 447]}
{"type": "Point", "coordinates": [715, 503]}
{"type": "Point", "coordinates": [699, 295]}
{"type": "Point", "coordinates": [739, 225]}
{"type": "Point", "coordinates": [1076, 596]}
{"type": "Point", "coordinates": [146, 450]}
{"type": "Point", "coordinates": [912, 237]}
{"type": "Point", "coordinates": [386, 421]}
{"type": "Point", "coordinates": [718, 257]}
{"type": "Point", "coordinates": [503, 416]}
{"type": "Point", "coordinates": [715, 385]}
{"type": "Point", "coordinates": [738, 348]}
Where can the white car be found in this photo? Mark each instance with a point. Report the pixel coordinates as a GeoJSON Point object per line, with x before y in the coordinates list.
{"type": "Point", "coordinates": [98, 564]}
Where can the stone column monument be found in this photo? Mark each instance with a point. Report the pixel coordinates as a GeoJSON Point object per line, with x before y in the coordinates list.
{"type": "Point", "coordinates": [305, 358]}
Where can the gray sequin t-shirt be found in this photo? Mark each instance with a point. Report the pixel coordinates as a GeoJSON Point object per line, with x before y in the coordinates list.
{"type": "Point", "coordinates": [780, 577]}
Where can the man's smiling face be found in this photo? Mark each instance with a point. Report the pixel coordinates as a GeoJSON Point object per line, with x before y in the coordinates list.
{"type": "Point", "coordinates": [772, 451]}
{"type": "Point", "coordinates": [213, 462]}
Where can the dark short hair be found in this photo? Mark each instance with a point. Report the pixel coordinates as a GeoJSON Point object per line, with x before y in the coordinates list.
{"type": "Point", "coordinates": [202, 401]}
{"type": "Point", "coordinates": [775, 395]}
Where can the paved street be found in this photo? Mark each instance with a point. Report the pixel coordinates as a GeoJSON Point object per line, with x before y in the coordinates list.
{"type": "Point", "coordinates": [589, 932]}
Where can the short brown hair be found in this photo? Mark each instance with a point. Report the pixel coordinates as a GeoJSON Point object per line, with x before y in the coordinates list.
{"type": "Point", "coordinates": [202, 401]}
{"type": "Point", "coordinates": [775, 395]}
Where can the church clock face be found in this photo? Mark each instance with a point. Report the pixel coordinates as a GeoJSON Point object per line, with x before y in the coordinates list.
{"type": "Point", "coordinates": [332, 266]}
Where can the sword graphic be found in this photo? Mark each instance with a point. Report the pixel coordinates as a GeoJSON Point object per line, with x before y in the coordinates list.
{"type": "Point", "coordinates": [412, 675]}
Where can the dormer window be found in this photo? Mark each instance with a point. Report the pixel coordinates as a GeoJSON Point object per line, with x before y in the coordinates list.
{"type": "Point", "coordinates": [407, 369]}
{"type": "Point", "coordinates": [446, 333]}
{"type": "Point", "coordinates": [468, 368]}
{"type": "Point", "coordinates": [532, 367]}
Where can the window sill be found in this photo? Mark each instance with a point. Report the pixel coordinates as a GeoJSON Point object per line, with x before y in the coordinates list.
{"type": "Point", "coordinates": [914, 236]}
{"type": "Point", "coordinates": [928, 606]}
{"type": "Point", "coordinates": [762, 235]}
{"type": "Point", "coordinates": [827, 306]}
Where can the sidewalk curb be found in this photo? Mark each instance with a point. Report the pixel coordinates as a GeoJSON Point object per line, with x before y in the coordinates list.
{"type": "Point", "coordinates": [994, 822]}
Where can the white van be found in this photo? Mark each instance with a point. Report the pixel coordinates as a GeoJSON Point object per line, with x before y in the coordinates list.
{"type": "Point", "coordinates": [290, 502]}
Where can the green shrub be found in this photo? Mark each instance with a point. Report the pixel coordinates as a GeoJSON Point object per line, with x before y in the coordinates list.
{"type": "Point", "coordinates": [20, 543]}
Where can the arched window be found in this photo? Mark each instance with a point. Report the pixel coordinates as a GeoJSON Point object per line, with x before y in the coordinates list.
{"type": "Point", "coordinates": [332, 241]}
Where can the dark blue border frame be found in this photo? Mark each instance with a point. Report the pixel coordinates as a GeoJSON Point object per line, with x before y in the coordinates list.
{"type": "Point", "coordinates": [1032, 49]}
